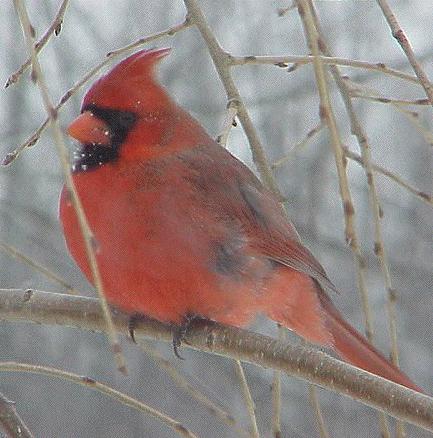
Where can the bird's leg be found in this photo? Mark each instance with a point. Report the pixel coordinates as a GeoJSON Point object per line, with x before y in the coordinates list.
{"type": "Point", "coordinates": [132, 324]}
{"type": "Point", "coordinates": [179, 331]}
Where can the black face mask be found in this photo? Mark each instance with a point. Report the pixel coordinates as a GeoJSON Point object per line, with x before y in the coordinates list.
{"type": "Point", "coordinates": [92, 155]}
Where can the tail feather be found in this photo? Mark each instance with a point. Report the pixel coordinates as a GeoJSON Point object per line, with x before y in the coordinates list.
{"type": "Point", "coordinates": [354, 348]}
{"type": "Point", "coordinates": [297, 302]}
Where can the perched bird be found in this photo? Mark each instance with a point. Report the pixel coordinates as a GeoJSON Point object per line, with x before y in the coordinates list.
{"type": "Point", "coordinates": [184, 229]}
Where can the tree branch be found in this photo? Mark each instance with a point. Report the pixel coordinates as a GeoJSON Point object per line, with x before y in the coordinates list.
{"type": "Point", "coordinates": [400, 36]}
{"type": "Point", "coordinates": [300, 361]}
{"type": "Point", "coordinates": [11, 423]}
{"type": "Point", "coordinates": [54, 29]}
{"type": "Point", "coordinates": [89, 241]}
{"type": "Point", "coordinates": [222, 62]}
{"type": "Point", "coordinates": [285, 60]}
{"type": "Point", "coordinates": [18, 367]}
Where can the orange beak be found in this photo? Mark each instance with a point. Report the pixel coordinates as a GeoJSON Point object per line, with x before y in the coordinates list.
{"type": "Point", "coordinates": [87, 128]}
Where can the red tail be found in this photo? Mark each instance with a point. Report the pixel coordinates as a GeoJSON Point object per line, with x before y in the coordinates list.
{"type": "Point", "coordinates": [354, 348]}
{"type": "Point", "coordinates": [297, 302]}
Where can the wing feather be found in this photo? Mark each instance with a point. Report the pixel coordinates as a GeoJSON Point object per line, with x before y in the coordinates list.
{"type": "Point", "coordinates": [232, 195]}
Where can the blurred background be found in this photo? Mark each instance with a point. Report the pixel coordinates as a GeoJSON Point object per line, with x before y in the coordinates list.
{"type": "Point", "coordinates": [284, 108]}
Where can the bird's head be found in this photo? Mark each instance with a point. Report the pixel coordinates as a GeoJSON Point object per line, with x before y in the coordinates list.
{"type": "Point", "coordinates": [123, 102]}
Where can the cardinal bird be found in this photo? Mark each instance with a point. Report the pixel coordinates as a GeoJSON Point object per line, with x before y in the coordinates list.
{"type": "Point", "coordinates": [184, 228]}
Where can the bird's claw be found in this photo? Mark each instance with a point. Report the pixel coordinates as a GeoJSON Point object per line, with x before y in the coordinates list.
{"type": "Point", "coordinates": [132, 325]}
{"type": "Point", "coordinates": [180, 331]}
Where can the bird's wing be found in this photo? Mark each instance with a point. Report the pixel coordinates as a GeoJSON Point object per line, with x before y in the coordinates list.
{"type": "Point", "coordinates": [276, 238]}
{"type": "Point", "coordinates": [234, 196]}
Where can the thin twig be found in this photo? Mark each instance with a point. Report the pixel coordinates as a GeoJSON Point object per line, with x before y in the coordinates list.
{"type": "Point", "coordinates": [379, 99]}
{"type": "Point", "coordinates": [222, 64]}
{"type": "Point", "coordinates": [171, 31]}
{"type": "Point", "coordinates": [379, 247]}
{"type": "Point", "coordinates": [314, 400]}
{"type": "Point", "coordinates": [400, 36]}
{"type": "Point", "coordinates": [248, 398]}
{"type": "Point", "coordinates": [13, 252]}
{"type": "Point", "coordinates": [276, 392]}
{"type": "Point", "coordinates": [413, 118]}
{"type": "Point", "coordinates": [11, 423]}
{"type": "Point", "coordinates": [357, 90]}
{"type": "Point", "coordinates": [327, 115]}
{"type": "Point", "coordinates": [182, 383]}
{"type": "Point", "coordinates": [33, 139]}
{"type": "Point", "coordinates": [301, 361]}
{"type": "Point", "coordinates": [276, 404]}
{"type": "Point", "coordinates": [289, 154]}
{"type": "Point", "coordinates": [88, 238]}
{"type": "Point", "coordinates": [425, 197]}
{"type": "Point", "coordinates": [361, 136]}
{"type": "Point", "coordinates": [100, 387]}
{"type": "Point", "coordinates": [54, 29]}
{"type": "Point", "coordinates": [284, 61]}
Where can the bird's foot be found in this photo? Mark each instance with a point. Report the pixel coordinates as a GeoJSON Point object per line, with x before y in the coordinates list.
{"type": "Point", "coordinates": [179, 331]}
{"type": "Point", "coordinates": [132, 325]}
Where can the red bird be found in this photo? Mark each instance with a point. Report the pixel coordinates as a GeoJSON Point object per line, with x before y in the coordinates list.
{"type": "Point", "coordinates": [184, 228]}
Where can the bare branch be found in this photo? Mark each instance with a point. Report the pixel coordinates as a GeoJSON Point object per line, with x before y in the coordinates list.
{"type": "Point", "coordinates": [100, 387]}
{"type": "Point", "coordinates": [10, 421]}
{"type": "Point", "coordinates": [389, 100]}
{"type": "Point", "coordinates": [248, 398]}
{"type": "Point", "coordinates": [283, 11]}
{"type": "Point", "coordinates": [87, 234]}
{"type": "Point", "coordinates": [400, 36]}
{"type": "Point", "coordinates": [361, 136]}
{"type": "Point", "coordinates": [284, 61]}
{"type": "Point", "coordinates": [222, 63]}
{"type": "Point", "coordinates": [328, 117]}
{"type": "Point", "coordinates": [425, 197]}
{"type": "Point", "coordinates": [314, 400]}
{"type": "Point", "coordinates": [13, 252]}
{"type": "Point", "coordinates": [54, 29]}
{"type": "Point", "coordinates": [414, 118]}
{"type": "Point", "coordinates": [167, 32]}
{"type": "Point", "coordinates": [182, 383]}
{"type": "Point", "coordinates": [300, 361]}
{"type": "Point", "coordinates": [289, 154]}
{"type": "Point", "coordinates": [276, 392]}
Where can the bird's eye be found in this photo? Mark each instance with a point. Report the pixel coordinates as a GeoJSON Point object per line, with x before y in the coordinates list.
{"type": "Point", "coordinates": [119, 122]}
{"type": "Point", "coordinates": [125, 119]}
